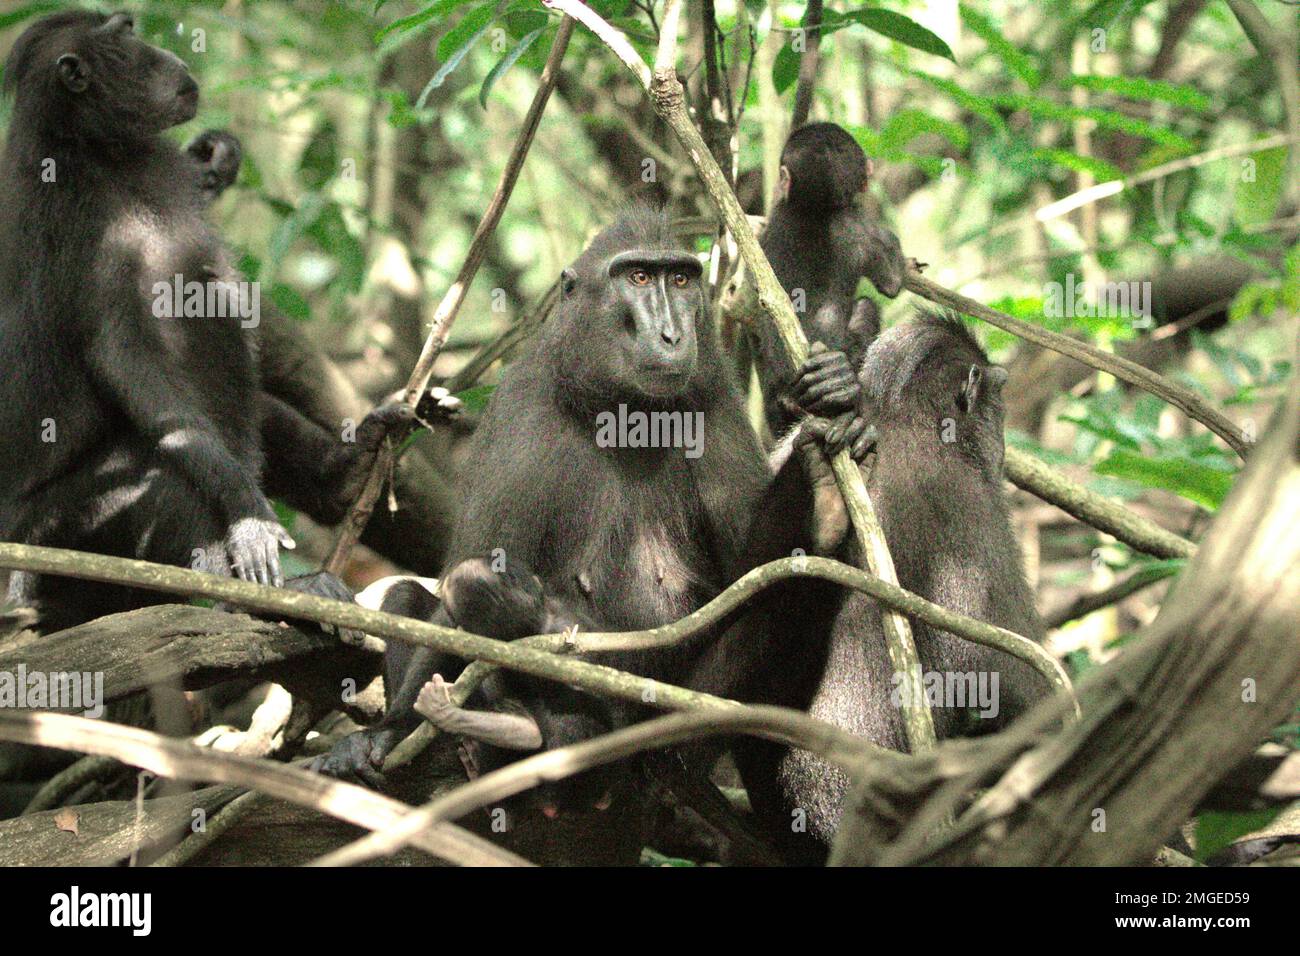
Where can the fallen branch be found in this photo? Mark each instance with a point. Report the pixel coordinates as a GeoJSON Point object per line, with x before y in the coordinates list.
{"type": "Point", "coordinates": [104, 833]}
{"type": "Point", "coordinates": [192, 646]}
{"type": "Point", "coordinates": [443, 317]}
{"type": "Point", "coordinates": [181, 760]}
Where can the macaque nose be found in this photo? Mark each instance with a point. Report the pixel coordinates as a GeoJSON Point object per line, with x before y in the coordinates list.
{"type": "Point", "coordinates": [188, 86]}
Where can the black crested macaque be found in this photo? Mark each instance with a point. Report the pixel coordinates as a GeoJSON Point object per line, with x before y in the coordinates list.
{"type": "Point", "coordinates": [502, 717]}
{"type": "Point", "coordinates": [936, 405]}
{"type": "Point", "coordinates": [219, 155]}
{"type": "Point", "coordinates": [315, 470]}
{"type": "Point", "coordinates": [131, 421]}
{"type": "Point", "coordinates": [620, 532]}
{"type": "Point", "coordinates": [509, 713]}
{"type": "Point", "coordinates": [821, 243]}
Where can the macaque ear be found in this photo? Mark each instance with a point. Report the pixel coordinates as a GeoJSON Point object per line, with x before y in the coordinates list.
{"type": "Point", "coordinates": [568, 281]}
{"type": "Point", "coordinates": [783, 184]}
{"type": "Point", "coordinates": [871, 171]}
{"type": "Point", "coordinates": [980, 381]}
{"type": "Point", "coordinates": [73, 73]}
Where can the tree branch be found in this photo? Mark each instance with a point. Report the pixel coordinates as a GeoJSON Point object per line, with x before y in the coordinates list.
{"type": "Point", "coordinates": [1085, 604]}
{"type": "Point", "coordinates": [1027, 472]}
{"type": "Point", "coordinates": [1122, 368]}
{"type": "Point", "coordinates": [772, 723]}
{"type": "Point", "coordinates": [807, 85]}
{"type": "Point", "coordinates": [181, 760]}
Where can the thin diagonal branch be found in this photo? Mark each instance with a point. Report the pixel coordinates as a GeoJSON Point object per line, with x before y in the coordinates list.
{"type": "Point", "coordinates": [359, 515]}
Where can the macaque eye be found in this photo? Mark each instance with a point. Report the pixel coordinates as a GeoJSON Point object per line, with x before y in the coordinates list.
{"type": "Point", "coordinates": [639, 277]}
{"type": "Point", "coordinates": [681, 279]}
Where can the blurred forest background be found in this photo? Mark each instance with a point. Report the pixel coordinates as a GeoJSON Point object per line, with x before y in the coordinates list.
{"type": "Point", "coordinates": [374, 132]}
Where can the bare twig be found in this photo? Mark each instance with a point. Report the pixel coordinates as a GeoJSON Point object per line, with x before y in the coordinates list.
{"type": "Point", "coordinates": [508, 339]}
{"type": "Point", "coordinates": [359, 514]}
{"type": "Point", "coordinates": [1113, 187]}
{"type": "Point", "coordinates": [1122, 368]}
{"type": "Point", "coordinates": [217, 825]}
{"type": "Point", "coordinates": [763, 577]}
{"type": "Point", "coordinates": [803, 93]}
{"type": "Point", "coordinates": [1085, 604]}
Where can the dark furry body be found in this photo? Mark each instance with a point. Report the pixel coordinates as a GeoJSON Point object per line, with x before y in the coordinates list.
{"type": "Point", "coordinates": [945, 518]}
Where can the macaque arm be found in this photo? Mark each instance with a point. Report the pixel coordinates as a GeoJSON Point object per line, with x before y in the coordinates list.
{"type": "Point", "coordinates": [508, 731]}
{"type": "Point", "coordinates": [882, 260]}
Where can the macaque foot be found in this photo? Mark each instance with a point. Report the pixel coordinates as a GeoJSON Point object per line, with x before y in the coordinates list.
{"type": "Point", "coordinates": [326, 585]}
{"type": "Point", "coordinates": [438, 404]}
{"type": "Point", "coordinates": [358, 757]}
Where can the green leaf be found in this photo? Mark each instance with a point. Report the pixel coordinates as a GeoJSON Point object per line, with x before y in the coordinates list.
{"type": "Point", "coordinates": [521, 22]}
{"type": "Point", "coordinates": [1140, 88]}
{"type": "Point", "coordinates": [475, 398]}
{"type": "Point", "coordinates": [1107, 119]}
{"type": "Point", "coordinates": [294, 225]}
{"type": "Point", "coordinates": [290, 302]}
{"type": "Point", "coordinates": [1217, 831]}
{"type": "Point", "coordinates": [906, 125]}
{"type": "Point", "coordinates": [505, 63]}
{"type": "Point", "coordinates": [897, 27]}
{"type": "Point", "coordinates": [331, 233]}
{"type": "Point", "coordinates": [981, 106]}
{"type": "Point", "coordinates": [1102, 15]}
{"type": "Point", "coordinates": [28, 10]}
{"type": "Point", "coordinates": [320, 160]}
{"type": "Point", "coordinates": [471, 26]}
{"type": "Point", "coordinates": [1101, 170]}
{"type": "Point", "coordinates": [1257, 198]}
{"type": "Point", "coordinates": [785, 69]}
{"type": "Point", "coordinates": [1016, 61]}
{"type": "Point", "coordinates": [425, 16]}
{"type": "Point", "coordinates": [1196, 482]}
{"type": "Point", "coordinates": [456, 43]}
